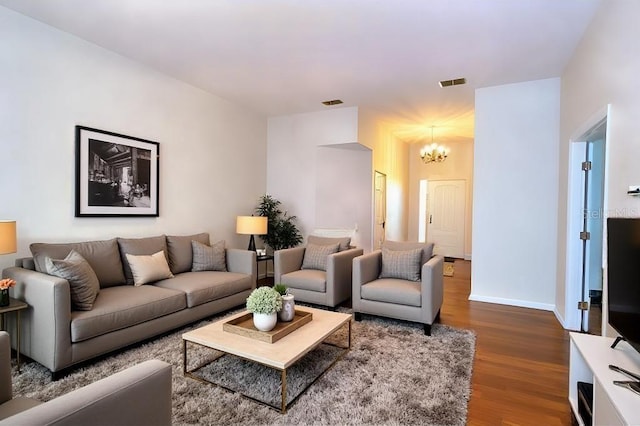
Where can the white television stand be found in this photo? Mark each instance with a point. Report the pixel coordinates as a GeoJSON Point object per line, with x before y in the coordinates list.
{"type": "Point", "coordinates": [589, 361]}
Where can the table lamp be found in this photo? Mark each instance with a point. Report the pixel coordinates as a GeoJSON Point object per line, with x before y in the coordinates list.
{"type": "Point", "coordinates": [8, 242]}
{"type": "Point", "coordinates": [251, 225]}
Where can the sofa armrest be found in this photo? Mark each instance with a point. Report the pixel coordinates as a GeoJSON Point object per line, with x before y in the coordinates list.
{"type": "Point", "coordinates": [139, 395]}
{"type": "Point", "coordinates": [46, 324]}
{"type": "Point", "coordinates": [242, 262]}
{"type": "Point", "coordinates": [339, 275]}
{"type": "Point", "coordinates": [285, 261]}
{"type": "Point", "coordinates": [432, 288]}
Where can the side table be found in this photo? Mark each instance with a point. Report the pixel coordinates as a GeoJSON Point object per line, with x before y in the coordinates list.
{"type": "Point", "coordinates": [265, 258]}
{"type": "Point", "coordinates": [14, 306]}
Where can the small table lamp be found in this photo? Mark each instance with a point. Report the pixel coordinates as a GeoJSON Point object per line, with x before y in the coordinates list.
{"type": "Point", "coordinates": [8, 242]}
{"type": "Point", "coordinates": [251, 225]}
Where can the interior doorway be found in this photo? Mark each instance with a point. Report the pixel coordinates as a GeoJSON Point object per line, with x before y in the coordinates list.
{"type": "Point", "coordinates": [586, 229]}
{"type": "Point", "coordinates": [445, 216]}
{"type": "Point", "coordinates": [380, 209]}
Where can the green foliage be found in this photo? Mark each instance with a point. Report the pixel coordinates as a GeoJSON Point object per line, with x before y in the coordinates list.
{"type": "Point", "coordinates": [281, 289]}
{"type": "Point", "coordinates": [282, 232]}
{"type": "Point", "coordinates": [264, 300]}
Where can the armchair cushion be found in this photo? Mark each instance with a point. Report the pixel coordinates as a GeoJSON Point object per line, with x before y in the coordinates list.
{"type": "Point", "coordinates": [345, 242]}
{"type": "Point", "coordinates": [389, 290]}
{"type": "Point", "coordinates": [207, 258]}
{"type": "Point", "coordinates": [83, 282]}
{"type": "Point", "coordinates": [315, 256]}
{"type": "Point", "coordinates": [306, 279]}
{"type": "Point", "coordinates": [401, 264]}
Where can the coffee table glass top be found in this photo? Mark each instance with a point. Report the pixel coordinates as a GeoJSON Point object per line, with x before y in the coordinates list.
{"type": "Point", "coordinates": [281, 354]}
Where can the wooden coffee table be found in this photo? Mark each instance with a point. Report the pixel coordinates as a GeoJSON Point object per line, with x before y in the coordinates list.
{"type": "Point", "coordinates": [280, 355]}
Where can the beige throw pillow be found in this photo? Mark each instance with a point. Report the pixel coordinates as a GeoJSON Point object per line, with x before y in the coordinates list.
{"type": "Point", "coordinates": [148, 269]}
{"type": "Point", "coordinates": [207, 258]}
{"type": "Point", "coordinates": [83, 282]}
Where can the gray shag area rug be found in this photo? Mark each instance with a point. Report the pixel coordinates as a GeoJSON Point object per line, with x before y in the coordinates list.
{"type": "Point", "coordinates": [393, 374]}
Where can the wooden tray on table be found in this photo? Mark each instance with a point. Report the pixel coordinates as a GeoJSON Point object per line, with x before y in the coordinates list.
{"type": "Point", "coordinates": [243, 325]}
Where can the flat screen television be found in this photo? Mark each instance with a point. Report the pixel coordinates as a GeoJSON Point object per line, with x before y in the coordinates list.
{"type": "Point", "coordinates": [623, 278]}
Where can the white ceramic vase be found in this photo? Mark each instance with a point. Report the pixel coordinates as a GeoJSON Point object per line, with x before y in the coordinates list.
{"type": "Point", "coordinates": [288, 308]}
{"type": "Point", "coordinates": [265, 322]}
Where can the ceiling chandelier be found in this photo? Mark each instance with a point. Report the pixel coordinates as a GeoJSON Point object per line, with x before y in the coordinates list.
{"type": "Point", "coordinates": [434, 152]}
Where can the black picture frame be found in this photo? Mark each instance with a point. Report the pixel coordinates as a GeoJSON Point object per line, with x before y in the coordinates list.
{"type": "Point", "coordinates": [116, 175]}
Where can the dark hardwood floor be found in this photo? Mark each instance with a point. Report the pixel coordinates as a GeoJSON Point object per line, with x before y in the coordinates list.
{"type": "Point", "coordinates": [520, 372]}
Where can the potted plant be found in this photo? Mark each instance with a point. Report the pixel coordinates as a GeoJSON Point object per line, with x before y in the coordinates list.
{"type": "Point", "coordinates": [282, 231]}
{"type": "Point", "coordinates": [264, 303]}
{"type": "Point", "coordinates": [5, 285]}
{"type": "Point", "coordinates": [288, 310]}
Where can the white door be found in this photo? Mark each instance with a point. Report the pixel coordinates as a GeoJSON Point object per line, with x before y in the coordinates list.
{"type": "Point", "coordinates": [380, 213]}
{"type": "Point", "coordinates": [445, 217]}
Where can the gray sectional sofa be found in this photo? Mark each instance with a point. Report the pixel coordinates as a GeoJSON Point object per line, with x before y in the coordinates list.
{"type": "Point", "coordinates": [57, 335]}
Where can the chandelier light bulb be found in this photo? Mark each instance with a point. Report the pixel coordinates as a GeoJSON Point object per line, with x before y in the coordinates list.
{"type": "Point", "coordinates": [434, 152]}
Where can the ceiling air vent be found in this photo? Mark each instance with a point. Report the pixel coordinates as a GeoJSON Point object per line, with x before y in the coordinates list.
{"type": "Point", "coordinates": [332, 102]}
{"type": "Point", "coordinates": [454, 82]}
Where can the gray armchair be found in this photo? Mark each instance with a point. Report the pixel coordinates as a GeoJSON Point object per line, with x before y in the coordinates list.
{"type": "Point", "coordinates": [139, 395]}
{"type": "Point", "coordinates": [328, 287]}
{"type": "Point", "coordinates": [418, 299]}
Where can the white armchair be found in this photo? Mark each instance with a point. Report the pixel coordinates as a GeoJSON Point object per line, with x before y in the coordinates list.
{"type": "Point", "coordinates": [417, 299]}
{"type": "Point", "coordinates": [328, 287]}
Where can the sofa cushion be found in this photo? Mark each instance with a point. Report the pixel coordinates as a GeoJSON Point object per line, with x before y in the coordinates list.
{"type": "Point", "coordinates": [306, 279]}
{"type": "Point", "coordinates": [207, 258]}
{"type": "Point", "coordinates": [83, 282]}
{"type": "Point", "coordinates": [103, 257]}
{"type": "Point", "coordinates": [180, 251]}
{"type": "Point", "coordinates": [315, 256]}
{"type": "Point", "coordinates": [207, 286]}
{"type": "Point", "coordinates": [401, 264]}
{"type": "Point", "coordinates": [138, 246]}
{"type": "Point", "coordinates": [147, 269]}
{"type": "Point", "coordinates": [327, 241]}
{"type": "Point", "coordinates": [123, 306]}
{"type": "Point", "coordinates": [390, 290]}
{"type": "Point", "coordinates": [427, 248]}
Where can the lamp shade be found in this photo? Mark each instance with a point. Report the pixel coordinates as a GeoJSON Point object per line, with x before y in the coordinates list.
{"type": "Point", "coordinates": [251, 225]}
{"type": "Point", "coordinates": [8, 237]}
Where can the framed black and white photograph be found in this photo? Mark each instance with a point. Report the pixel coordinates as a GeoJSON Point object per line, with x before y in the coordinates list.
{"type": "Point", "coordinates": [116, 175]}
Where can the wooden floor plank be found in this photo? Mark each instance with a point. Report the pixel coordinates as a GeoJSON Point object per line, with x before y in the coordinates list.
{"type": "Point", "coordinates": [520, 372]}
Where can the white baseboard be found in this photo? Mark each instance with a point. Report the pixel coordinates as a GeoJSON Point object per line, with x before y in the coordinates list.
{"type": "Point", "coordinates": [513, 302]}
{"type": "Point", "coordinates": [561, 319]}
{"type": "Point", "coordinates": [467, 256]}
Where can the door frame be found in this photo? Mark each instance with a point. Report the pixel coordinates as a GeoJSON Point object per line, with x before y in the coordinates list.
{"type": "Point", "coordinates": [575, 203]}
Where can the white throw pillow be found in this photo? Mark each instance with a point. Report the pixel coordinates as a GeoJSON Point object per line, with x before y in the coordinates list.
{"type": "Point", "coordinates": [147, 269]}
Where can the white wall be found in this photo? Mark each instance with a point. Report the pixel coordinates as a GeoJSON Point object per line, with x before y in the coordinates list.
{"type": "Point", "coordinates": [458, 165]}
{"type": "Point", "coordinates": [295, 163]}
{"type": "Point", "coordinates": [516, 194]}
{"type": "Point", "coordinates": [212, 152]}
{"type": "Point", "coordinates": [603, 71]}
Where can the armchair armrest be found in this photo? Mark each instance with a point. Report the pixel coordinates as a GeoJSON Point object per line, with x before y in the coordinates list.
{"type": "Point", "coordinates": [432, 288]}
{"type": "Point", "coordinates": [46, 325]}
{"type": "Point", "coordinates": [139, 395]}
{"type": "Point", "coordinates": [366, 268]}
{"type": "Point", "coordinates": [285, 261]}
{"type": "Point", "coordinates": [339, 275]}
{"type": "Point", "coordinates": [5, 367]}
{"type": "Point", "coordinates": [242, 262]}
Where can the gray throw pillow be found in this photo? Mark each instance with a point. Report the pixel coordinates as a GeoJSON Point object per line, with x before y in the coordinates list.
{"type": "Point", "coordinates": [315, 256]}
{"type": "Point", "coordinates": [207, 258]}
{"type": "Point", "coordinates": [180, 251]}
{"type": "Point", "coordinates": [401, 264]}
{"type": "Point", "coordinates": [83, 282]}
